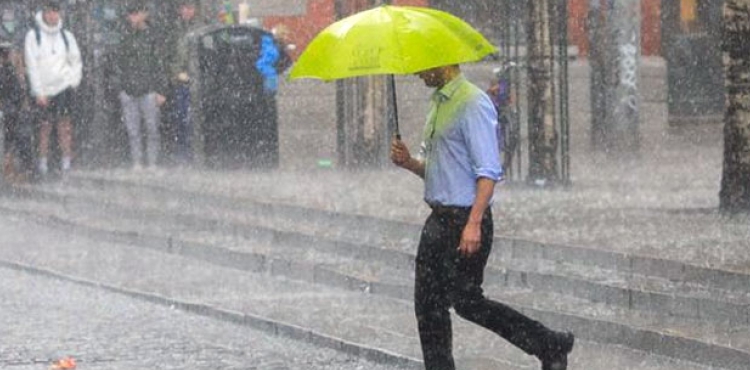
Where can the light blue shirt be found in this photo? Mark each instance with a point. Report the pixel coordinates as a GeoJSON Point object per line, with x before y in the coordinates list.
{"type": "Point", "coordinates": [459, 144]}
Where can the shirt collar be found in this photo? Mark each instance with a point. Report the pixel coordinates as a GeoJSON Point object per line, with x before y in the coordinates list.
{"type": "Point", "coordinates": [446, 92]}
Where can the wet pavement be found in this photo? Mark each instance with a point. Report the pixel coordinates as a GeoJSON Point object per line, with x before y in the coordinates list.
{"type": "Point", "coordinates": [61, 307]}
{"type": "Point", "coordinates": [64, 287]}
{"type": "Point", "coordinates": [49, 319]}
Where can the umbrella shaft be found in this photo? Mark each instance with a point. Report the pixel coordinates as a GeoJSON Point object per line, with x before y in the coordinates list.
{"type": "Point", "coordinates": [394, 106]}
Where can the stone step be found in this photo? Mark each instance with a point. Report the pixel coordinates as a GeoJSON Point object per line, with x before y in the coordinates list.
{"type": "Point", "coordinates": [624, 289]}
{"type": "Point", "coordinates": [629, 291]}
{"type": "Point", "coordinates": [396, 232]}
{"type": "Point", "coordinates": [382, 324]}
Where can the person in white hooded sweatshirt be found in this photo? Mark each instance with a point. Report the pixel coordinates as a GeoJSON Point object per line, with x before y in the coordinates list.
{"type": "Point", "coordinates": [54, 69]}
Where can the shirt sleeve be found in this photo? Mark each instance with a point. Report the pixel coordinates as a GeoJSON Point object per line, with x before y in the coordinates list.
{"type": "Point", "coordinates": [480, 133]}
{"type": "Point", "coordinates": [160, 74]}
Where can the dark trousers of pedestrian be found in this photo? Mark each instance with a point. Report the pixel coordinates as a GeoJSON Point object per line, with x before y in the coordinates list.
{"type": "Point", "coordinates": [183, 123]}
{"type": "Point", "coordinates": [444, 279]}
{"type": "Point", "coordinates": [18, 129]}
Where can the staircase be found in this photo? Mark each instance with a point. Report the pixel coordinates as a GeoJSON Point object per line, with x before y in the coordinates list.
{"type": "Point", "coordinates": [627, 311]}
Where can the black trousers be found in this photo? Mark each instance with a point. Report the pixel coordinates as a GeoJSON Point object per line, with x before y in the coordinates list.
{"type": "Point", "coordinates": [445, 279]}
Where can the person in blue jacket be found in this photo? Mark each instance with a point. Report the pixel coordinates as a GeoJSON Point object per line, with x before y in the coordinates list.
{"type": "Point", "coordinates": [266, 63]}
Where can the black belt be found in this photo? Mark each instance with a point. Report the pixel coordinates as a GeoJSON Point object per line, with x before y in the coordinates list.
{"type": "Point", "coordinates": [452, 210]}
{"type": "Point", "coordinates": [441, 210]}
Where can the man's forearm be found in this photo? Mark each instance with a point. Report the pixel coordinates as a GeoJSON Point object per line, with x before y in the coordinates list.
{"type": "Point", "coordinates": [415, 166]}
{"type": "Point", "coordinates": [485, 189]}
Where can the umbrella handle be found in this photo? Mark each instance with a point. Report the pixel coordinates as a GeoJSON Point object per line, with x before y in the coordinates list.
{"type": "Point", "coordinates": [394, 105]}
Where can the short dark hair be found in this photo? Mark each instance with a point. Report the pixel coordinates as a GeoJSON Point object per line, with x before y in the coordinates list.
{"type": "Point", "coordinates": [51, 5]}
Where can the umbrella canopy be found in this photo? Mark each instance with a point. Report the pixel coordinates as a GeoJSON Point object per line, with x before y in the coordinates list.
{"type": "Point", "coordinates": [390, 40]}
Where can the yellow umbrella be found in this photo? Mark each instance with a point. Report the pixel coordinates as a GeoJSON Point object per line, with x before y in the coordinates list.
{"type": "Point", "coordinates": [390, 40]}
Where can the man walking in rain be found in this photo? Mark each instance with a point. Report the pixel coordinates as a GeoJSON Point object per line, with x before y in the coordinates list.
{"type": "Point", "coordinates": [54, 69]}
{"type": "Point", "coordinates": [460, 165]}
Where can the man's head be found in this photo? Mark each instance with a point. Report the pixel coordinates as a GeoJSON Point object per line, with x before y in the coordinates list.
{"type": "Point", "coordinates": [187, 10]}
{"type": "Point", "coordinates": [51, 12]}
{"type": "Point", "coordinates": [137, 14]}
{"type": "Point", "coordinates": [439, 76]}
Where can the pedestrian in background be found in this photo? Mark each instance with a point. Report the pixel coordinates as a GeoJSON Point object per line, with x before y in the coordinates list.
{"type": "Point", "coordinates": [273, 58]}
{"type": "Point", "coordinates": [140, 70]}
{"type": "Point", "coordinates": [17, 136]}
{"type": "Point", "coordinates": [54, 69]}
{"type": "Point", "coordinates": [460, 165]}
{"type": "Point", "coordinates": [181, 121]}
{"type": "Point", "coordinates": [13, 33]}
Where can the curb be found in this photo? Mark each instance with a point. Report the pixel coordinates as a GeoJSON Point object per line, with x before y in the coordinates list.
{"type": "Point", "coordinates": [266, 325]}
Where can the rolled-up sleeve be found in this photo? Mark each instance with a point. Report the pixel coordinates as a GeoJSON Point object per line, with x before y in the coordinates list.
{"type": "Point", "coordinates": [480, 132]}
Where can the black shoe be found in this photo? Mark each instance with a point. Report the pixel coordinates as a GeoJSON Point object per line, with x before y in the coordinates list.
{"type": "Point", "coordinates": [556, 357]}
